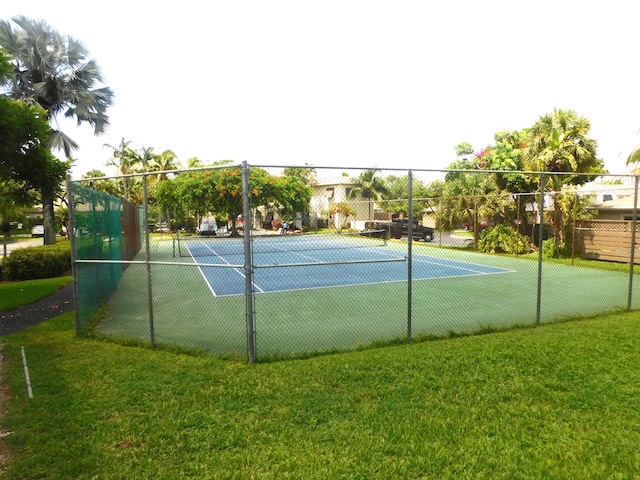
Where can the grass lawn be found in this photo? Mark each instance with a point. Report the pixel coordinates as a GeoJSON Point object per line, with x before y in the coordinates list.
{"type": "Point", "coordinates": [16, 294]}
{"type": "Point", "coordinates": [560, 401]}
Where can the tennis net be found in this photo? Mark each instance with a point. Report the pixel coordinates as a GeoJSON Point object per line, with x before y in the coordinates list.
{"type": "Point", "coordinates": [198, 246]}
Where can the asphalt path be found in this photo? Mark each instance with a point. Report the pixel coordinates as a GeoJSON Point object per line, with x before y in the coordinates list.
{"type": "Point", "coordinates": [57, 303]}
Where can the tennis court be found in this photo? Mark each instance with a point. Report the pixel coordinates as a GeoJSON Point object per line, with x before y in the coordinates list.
{"type": "Point", "coordinates": [298, 262]}
{"type": "Point", "coordinates": [327, 298]}
{"type": "Point", "coordinates": [304, 293]}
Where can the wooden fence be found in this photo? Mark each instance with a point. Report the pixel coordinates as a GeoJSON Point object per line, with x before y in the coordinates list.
{"type": "Point", "coordinates": [608, 240]}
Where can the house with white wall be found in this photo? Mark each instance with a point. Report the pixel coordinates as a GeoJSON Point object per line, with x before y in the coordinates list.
{"type": "Point", "coordinates": [327, 193]}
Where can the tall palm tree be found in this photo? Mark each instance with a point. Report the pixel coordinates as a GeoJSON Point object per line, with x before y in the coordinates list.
{"type": "Point", "coordinates": [126, 161]}
{"type": "Point", "coordinates": [162, 163]}
{"type": "Point", "coordinates": [559, 142]}
{"type": "Point", "coordinates": [368, 186]}
{"type": "Point", "coordinates": [53, 71]}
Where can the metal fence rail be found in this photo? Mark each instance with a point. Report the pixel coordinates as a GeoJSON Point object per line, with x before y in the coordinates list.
{"type": "Point", "coordinates": [350, 270]}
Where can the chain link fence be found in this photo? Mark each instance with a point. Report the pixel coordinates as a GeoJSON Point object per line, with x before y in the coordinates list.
{"type": "Point", "coordinates": [274, 262]}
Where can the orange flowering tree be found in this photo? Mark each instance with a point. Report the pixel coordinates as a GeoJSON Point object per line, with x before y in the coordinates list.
{"type": "Point", "coordinates": [219, 191]}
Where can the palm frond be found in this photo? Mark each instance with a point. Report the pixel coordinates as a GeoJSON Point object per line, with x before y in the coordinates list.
{"type": "Point", "coordinates": [61, 141]}
{"type": "Point", "coordinates": [634, 156]}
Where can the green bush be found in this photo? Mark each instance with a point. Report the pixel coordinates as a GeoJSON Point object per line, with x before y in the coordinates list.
{"type": "Point", "coordinates": [549, 249]}
{"type": "Point", "coordinates": [45, 261]}
{"type": "Point", "coordinates": [503, 239]}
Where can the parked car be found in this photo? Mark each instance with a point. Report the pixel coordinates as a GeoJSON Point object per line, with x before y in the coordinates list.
{"type": "Point", "coordinates": [37, 231]}
{"type": "Point", "coordinates": [398, 228]}
{"type": "Point", "coordinates": [376, 229]}
{"type": "Point", "coordinates": [208, 226]}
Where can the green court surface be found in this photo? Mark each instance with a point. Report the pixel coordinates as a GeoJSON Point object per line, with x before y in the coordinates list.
{"type": "Point", "coordinates": [184, 311]}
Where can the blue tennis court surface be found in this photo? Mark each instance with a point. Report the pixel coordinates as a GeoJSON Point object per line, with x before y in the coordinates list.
{"type": "Point", "coordinates": [284, 266]}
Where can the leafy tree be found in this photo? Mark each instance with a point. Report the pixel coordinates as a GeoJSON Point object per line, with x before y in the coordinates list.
{"type": "Point", "coordinates": [503, 238]}
{"type": "Point", "coordinates": [54, 72]}
{"type": "Point", "coordinates": [559, 142]}
{"type": "Point", "coordinates": [23, 130]}
{"type": "Point", "coordinates": [463, 149]}
{"type": "Point", "coordinates": [397, 193]}
{"type": "Point", "coordinates": [466, 160]}
{"type": "Point", "coordinates": [219, 191]}
{"type": "Point", "coordinates": [506, 159]}
{"type": "Point", "coordinates": [368, 186]}
{"type": "Point", "coordinates": [306, 174]}
{"type": "Point", "coordinates": [105, 185]}
{"type": "Point", "coordinates": [26, 165]}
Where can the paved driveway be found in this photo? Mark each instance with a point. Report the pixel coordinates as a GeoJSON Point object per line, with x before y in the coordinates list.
{"type": "Point", "coordinates": [22, 243]}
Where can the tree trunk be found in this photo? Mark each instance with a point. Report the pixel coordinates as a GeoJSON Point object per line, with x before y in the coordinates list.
{"type": "Point", "coordinates": [48, 220]}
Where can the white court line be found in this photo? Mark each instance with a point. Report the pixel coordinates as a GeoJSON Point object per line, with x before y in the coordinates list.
{"type": "Point", "coordinates": [442, 262]}
{"type": "Point", "coordinates": [225, 261]}
{"type": "Point", "coordinates": [447, 265]}
{"type": "Point", "coordinates": [360, 249]}
{"type": "Point", "coordinates": [419, 258]}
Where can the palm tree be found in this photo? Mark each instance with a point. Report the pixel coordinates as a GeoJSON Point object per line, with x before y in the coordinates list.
{"type": "Point", "coordinates": [368, 186]}
{"type": "Point", "coordinates": [194, 162]}
{"type": "Point", "coordinates": [634, 158]}
{"type": "Point", "coordinates": [126, 160]}
{"type": "Point", "coordinates": [469, 197]}
{"type": "Point", "coordinates": [54, 72]}
{"type": "Point", "coordinates": [559, 142]}
{"type": "Point", "coordinates": [162, 163]}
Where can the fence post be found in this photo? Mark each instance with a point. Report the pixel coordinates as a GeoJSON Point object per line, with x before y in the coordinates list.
{"type": "Point", "coordinates": [633, 244]}
{"type": "Point", "coordinates": [540, 240]}
{"type": "Point", "coordinates": [145, 192]}
{"type": "Point", "coordinates": [410, 256]}
{"type": "Point", "coordinates": [71, 233]}
{"type": "Point", "coordinates": [248, 265]}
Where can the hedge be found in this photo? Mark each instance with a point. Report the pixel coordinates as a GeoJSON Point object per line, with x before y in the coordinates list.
{"type": "Point", "coordinates": [45, 261]}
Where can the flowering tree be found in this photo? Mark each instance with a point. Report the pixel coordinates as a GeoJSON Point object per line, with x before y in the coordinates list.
{"type": "Point", "coordinates": [219, 191]}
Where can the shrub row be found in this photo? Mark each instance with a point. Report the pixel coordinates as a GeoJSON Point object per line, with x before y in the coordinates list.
{"type": "Point", "coordinates": [45, 261]}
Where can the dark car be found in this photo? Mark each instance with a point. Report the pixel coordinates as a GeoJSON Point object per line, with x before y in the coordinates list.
{"type": "Point", "coordinates": [376, 229]}
{"type": "Point", "coordinates": [400, 228]}
{"type": "Point", "coordinates": [397, 229]}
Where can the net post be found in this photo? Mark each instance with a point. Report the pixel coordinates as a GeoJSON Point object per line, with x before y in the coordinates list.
{"type": "Point", "coordinates": [248, 265]}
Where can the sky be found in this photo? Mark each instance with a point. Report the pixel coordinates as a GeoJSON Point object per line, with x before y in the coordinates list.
{"type": "Point", "coordinates": [349, 83]}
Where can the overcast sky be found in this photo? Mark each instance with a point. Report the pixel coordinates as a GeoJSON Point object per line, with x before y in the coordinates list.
{"type": "Point", "coordinates": [350, 83]}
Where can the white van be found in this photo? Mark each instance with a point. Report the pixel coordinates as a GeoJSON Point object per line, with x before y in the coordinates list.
{"type": "Point", "coordinates": [208, 226]}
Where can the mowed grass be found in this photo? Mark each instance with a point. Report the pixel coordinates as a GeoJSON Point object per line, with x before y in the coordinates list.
{"type": "Point", "coordinates": [560, 401]}
{"type": "Point", "coordinates": [17, 294]}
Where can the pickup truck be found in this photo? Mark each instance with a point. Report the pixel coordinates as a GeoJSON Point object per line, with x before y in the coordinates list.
{"type": "Point", "coordinates": [398, 228]}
